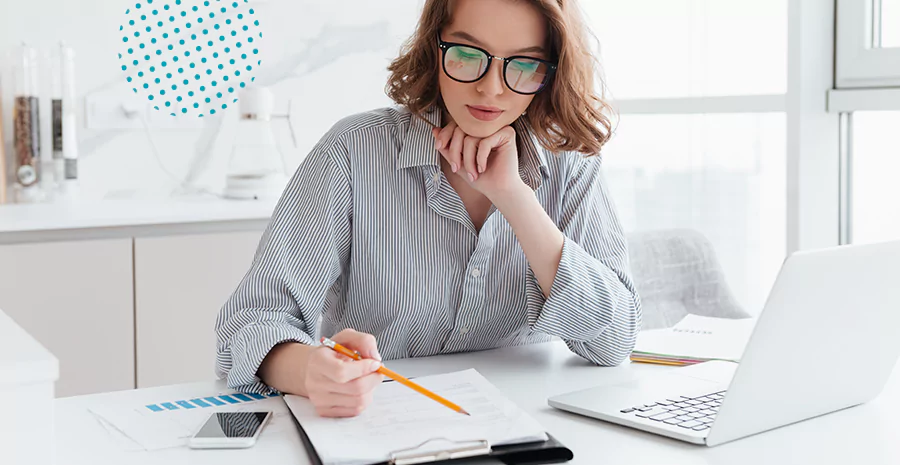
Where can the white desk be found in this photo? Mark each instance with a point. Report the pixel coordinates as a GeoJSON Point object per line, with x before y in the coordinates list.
{"type": "Point", "coordinates": [27, 373]}
{"type": "Point", "coordinates": [867, 434]}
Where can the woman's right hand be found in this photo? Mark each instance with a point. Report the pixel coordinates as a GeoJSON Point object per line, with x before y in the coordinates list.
{"type": "Point", "coordinates": [339, 386]}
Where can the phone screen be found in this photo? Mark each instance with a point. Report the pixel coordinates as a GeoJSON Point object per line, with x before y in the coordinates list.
{"type": "Point", "coordinates": [232, 425]}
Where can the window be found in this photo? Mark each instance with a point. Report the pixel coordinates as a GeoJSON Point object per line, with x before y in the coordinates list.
{"type": "Point", "coordinates": [868, 98]}
{"type": "Point", "coordinates": [889, 23]}
{"type": "Point", "coordinates": [691, 48]}
{"type": "Point", "coordinates": [875, 171]}
{"type": "Point", "coordinates": [701, 136]}
{"type": "Point", "coordinates": [868, 43]}
{"type": "Point", "coordinates": [720, 174]}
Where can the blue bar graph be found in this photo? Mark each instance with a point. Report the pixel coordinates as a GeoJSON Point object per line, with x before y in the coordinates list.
{"type": "Point", "coordinates": [185, 404]}
{"type": "Point", "coordinates": [199, 403]}
{"type": "Point", "coordinates": [207, 402]}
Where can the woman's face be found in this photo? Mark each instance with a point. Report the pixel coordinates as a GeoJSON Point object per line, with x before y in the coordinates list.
{"type": "Point", "coordinates": [503, 28]}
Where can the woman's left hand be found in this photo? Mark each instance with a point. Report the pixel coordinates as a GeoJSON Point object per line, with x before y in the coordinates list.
{"type": "Point", "coordinates": [490, 165]}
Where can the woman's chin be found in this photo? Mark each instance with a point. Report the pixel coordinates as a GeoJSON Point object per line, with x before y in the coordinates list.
{"type": "Point", "coordinates": [480, 129]}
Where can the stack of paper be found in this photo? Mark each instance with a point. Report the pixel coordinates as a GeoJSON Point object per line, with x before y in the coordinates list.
{"type": "Point", "coordinates": [401, 419]}
{"type": "Point", "coordinates": [694, 339]}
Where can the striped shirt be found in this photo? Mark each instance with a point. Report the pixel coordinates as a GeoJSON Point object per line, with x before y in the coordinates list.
{"type": "Point", "coordinates": [370, 235]}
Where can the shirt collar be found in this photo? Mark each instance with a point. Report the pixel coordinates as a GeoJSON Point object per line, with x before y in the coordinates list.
{"type": "Point", "coordinates": [418, 147]}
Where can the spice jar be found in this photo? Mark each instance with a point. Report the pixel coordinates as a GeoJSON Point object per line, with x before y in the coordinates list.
{"type": "Point", "coordinates": [26, 117]}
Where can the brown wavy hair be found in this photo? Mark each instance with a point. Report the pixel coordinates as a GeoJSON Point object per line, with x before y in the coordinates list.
{"type": "Point", "coordinates": [568, 115]}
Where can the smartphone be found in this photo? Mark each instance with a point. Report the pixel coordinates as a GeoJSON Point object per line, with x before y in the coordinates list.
{"type": "Point", "coordinates": [230, 430]}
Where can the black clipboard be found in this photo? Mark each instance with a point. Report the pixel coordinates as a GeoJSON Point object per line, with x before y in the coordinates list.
{"type": "Point", "coordinates": [541, 452]}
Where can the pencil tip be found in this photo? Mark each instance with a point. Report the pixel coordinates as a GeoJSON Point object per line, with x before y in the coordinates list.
{"type": "Point", "coordinates": [464, 413]}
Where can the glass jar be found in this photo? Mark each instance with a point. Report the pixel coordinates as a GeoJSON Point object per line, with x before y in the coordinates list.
{"type": "Point", "coordinates": [26, 118]}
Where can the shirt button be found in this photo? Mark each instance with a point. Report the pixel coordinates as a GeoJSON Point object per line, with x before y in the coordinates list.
{"type": "Point", "coordinates": [476, 273]}
{"type": "Point", "coordinates": [437, 177]}
{"type": "Point", "coordinates": [463, 330]}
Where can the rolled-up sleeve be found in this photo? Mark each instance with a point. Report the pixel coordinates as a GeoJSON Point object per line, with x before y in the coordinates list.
{"type": "Point", "coordinates": [297, 265]}
{"type": "Point", "coordinates": [593, 305]}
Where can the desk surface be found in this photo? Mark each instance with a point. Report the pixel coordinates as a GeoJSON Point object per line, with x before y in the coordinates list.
{"type": "Point", "coordinates": [528, 375]}
{"type": "Point", "coordinates": [23, 360]}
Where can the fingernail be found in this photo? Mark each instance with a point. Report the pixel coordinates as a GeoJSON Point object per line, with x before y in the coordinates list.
{"type": "Point", "coordinates": [471, 177]}
{"type": "Point", "coordinates": [437, 143]}
{"type": "Point", "coordinates": [481, 169]}
{"type": "Point", "coordinates": [454, 167]}
{"type": "Point", "coordinates": [375, 365]}
{"type": "Point", "coordinates": [377, 356]}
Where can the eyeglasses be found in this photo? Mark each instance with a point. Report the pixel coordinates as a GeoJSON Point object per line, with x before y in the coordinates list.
{"type": "Point", "coordinates": [522, 74]}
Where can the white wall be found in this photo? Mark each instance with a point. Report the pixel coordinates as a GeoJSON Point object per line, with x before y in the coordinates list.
{"type": "Point", "coordinates": [720, 174]}
{"type": "Point", "coordinates": [328, 55]}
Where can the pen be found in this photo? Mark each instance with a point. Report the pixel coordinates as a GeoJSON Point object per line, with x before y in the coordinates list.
{"type": "Point", "coordinates": [394, 376]}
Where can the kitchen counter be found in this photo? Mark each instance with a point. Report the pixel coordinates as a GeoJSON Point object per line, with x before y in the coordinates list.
{"type": "Point", "coordinates": [24, 223]}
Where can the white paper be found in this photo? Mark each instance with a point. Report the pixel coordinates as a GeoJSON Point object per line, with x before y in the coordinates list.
{"type": "Point", "coordinates": [118, 439]}
{"type": "Point", "coordinates": [400, 418]}
{"type": "Point", "coordinates": [163, 430]}
{"type": "Point", "coordinates": [698, 337]}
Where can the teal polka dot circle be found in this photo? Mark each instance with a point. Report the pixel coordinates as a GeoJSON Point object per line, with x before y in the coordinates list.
{"type": "Point", "coordinates": [177, 32]}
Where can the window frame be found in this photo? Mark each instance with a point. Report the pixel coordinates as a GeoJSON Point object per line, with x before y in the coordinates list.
{"type": "Point", "coordinates": [860, 63]}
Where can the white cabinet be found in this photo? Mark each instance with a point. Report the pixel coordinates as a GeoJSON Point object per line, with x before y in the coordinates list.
{"type": "Point", "coordinates": [76, 299]}
{"type": "Point", "coordinates": [126, 312]}
{"type": "Point", "coordinates": [181, 283]}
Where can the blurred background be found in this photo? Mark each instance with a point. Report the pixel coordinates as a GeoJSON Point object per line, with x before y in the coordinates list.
{"type": "Point", "coordinates": [767, 125]}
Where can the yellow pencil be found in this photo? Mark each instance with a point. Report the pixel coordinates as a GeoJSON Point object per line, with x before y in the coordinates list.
{"type": "Point", "coordinates": [394, 376]}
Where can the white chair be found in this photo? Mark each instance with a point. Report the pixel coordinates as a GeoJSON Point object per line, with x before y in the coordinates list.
{"type": "Point", "coordinates": [676, 272]}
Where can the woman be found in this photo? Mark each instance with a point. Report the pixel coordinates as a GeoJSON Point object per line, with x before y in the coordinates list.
{"type": "Point", "coordinates": [471, 217]}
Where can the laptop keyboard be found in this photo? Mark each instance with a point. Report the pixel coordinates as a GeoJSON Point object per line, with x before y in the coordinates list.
{"type": "Point", "coordinates": [695, 413]}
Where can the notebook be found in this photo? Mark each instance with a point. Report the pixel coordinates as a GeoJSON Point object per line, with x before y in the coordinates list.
{"type": "Point", "coordinates": [401, 421]}
{"type": "Point", "coordinates": [694, 339]}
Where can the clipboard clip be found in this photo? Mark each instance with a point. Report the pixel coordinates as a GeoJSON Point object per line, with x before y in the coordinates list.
{"type": "Point", "coordinates": [433, 453]}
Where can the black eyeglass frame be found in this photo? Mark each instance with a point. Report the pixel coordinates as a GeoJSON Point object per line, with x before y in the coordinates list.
{"type": "Point", "coordinates": [444, 46]}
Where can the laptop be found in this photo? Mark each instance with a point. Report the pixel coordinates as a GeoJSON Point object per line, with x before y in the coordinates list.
{"type": "Point", "coordinates": [825, 340]}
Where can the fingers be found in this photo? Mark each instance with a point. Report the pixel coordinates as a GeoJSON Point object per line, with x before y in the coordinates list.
{"type": "Point", "coordinates": [484, 150]}
{"type": "Point", "coordinates": [460, 151]}
{"type": "Point", "coordinates": [363, 343]}
{"type": "Point", "coordinates": [495, 141]}
{"type": "Point", "coordinates": [443, 138]}
{"type": "Point", "coordinates": [454, 164]}
{"type": "Point", "coordinates": [470, 150]}
{"type": "Point", "coordinates": [456, 147]}
{"type": "Point", "coordinates": [340, 405]}
{"type": "Point", "coordinates": [339, 387]}
{"type": "Point", "coordinates": [342, 411]}
{"type": "Point", "coordinates": [445, 134]}
{"type": "Point", "coordinates": [339, 412]}
{"type": "Point", "coordinates": [468, 153]}
{"type": "Point", "coordinates": [359, 386]}
{"type": "Point", "coordinates": [340, 370]}
{"type": "Point", "coordinates": [488, 144]}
